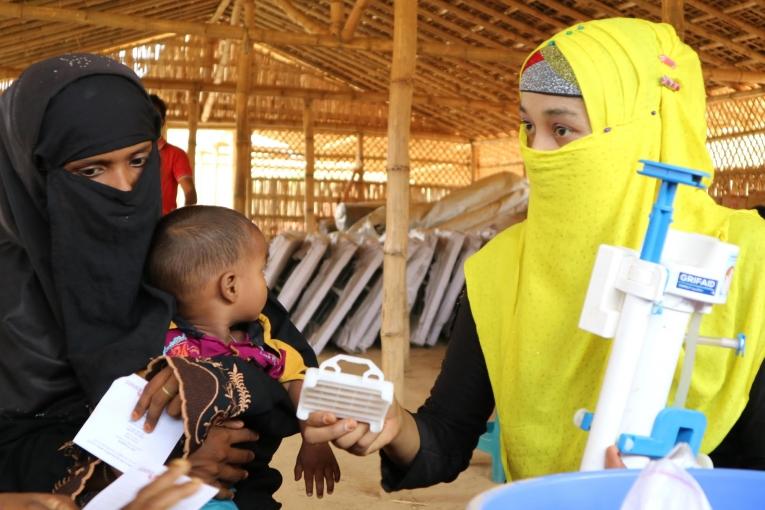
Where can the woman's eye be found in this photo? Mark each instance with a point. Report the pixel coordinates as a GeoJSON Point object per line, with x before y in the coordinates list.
{"type": "Point", "coordinates": [90, 172]}
{"type": "Point", "coordinates": [528, 126]}
{"type": "Point", "coordinates": [561, 131]}
{"type": "Point", "coordinates": [139, 161]}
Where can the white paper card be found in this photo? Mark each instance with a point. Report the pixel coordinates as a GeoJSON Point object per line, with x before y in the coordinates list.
{"type": "Point", "coordinates": [113, 437]}
{"type": "Point", "coordinates": [123, 490]}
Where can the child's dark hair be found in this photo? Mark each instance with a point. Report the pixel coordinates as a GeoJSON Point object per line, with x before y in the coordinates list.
{"type": "Point", "coordinates": [192, 244]}
{"type": "Point", "coordinates": [160, 105]}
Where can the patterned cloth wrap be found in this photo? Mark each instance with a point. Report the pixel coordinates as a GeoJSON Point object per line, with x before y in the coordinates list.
{"type": "Point", "coordinates": [238, 380]}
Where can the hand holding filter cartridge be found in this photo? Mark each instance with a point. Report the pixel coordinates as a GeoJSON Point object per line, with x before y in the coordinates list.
{"type": "Point", "coordinates": [365, 398]}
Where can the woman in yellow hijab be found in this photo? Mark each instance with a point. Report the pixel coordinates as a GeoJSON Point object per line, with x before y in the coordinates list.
{"type": "Point", "coordinates": [595, 99]}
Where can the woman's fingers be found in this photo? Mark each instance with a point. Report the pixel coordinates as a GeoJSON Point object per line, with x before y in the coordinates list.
{"type": "Point", "coordinates": [348, 440]}
{"type": "Point", "coordinates": [231, 474]}
{"type": "Point", "coordinates": [157, 393]}
{"type": "Point", "coordinates": [166, 480]}
{"type": "Point", "coordinates": [174, 407]}
{"type": "Point", "coordinates": [324, 432]}
{"type": "Point", "coordinates": [163, 492]}
{"type": "Point", "coordinates": [231, 424]}
{"type": "Point", "coordinates": [239, 456]}
{"type": "Point", "coordinates": [237, 436]}
{"type": "Point", "coordinates": [613, 459]}
{"type": "Point", "coordinates": [161, 398]}
{"type": "Point", "coordinates": [224, 492]}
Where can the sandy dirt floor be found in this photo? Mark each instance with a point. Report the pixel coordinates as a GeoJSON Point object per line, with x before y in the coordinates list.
{"type": "Point", "coordinates": [359, 487]}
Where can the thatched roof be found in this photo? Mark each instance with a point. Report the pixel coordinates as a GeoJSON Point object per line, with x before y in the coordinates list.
{"type": "Point", "coordinates": [469, 52]}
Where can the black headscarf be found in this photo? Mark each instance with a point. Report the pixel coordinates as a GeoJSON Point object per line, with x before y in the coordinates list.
{"type": "Point", "coordinates": [74, 312]}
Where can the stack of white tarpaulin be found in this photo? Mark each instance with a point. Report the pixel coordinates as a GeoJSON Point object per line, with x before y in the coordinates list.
{"type": "Point", "coordinates": [367, 262]}
{"type": "Point", "coordinates": [340, 254]}
{"type": "Point", "coordinates": [308, 256]}
{"type": "Point", "coordinates": [471, 245]}
{"type": "Point", "coordinates": [447, 250]}
{"type": "Point", "coordinates": [363, 326]}
{"type": "Point", "coordinates": [336, 280]}
{"type": "Point", "coordinates": [280, 252]}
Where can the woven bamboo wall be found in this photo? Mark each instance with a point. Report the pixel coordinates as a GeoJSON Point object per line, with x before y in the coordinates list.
{"type": "Point", "coordinates": [343, 171]}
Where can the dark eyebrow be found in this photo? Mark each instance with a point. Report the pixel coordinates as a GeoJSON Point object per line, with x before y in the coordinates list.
{"type": "Point", "coordinates": [87, 161]}
{"type": "Point", "coordinates": [552, 112]}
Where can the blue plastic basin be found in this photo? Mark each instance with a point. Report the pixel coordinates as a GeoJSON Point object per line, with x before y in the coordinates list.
{"type": "Point", "coordinates": [726, 489]}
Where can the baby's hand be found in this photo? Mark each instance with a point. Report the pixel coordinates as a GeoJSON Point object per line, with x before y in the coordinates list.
{"type": "Point", "coordinates": [160, 392]}
{"type": "Point", "coordinates": [317, 463]}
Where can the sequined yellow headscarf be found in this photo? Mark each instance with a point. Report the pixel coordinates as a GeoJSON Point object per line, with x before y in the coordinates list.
{"type": "Point", "coordinates": [527, 286]}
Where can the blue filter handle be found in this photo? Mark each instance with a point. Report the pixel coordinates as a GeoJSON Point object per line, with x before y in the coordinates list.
{"type": "Point", "coordinates": [661, 213]}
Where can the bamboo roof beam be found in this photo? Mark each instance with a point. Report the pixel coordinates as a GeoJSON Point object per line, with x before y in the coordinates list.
{"type": "Point", "coordinates": [277, 38]}
{"type": "Point", "coordinates": [225, 57]}
{"type": "Point", "coordinates": [673, 12]}
{"type": "Point", "coordinates": [516, 38]}
{"type": "Point", "coordinates": [437, 76]}
{"type": "Point", "coordinates": [734, 75]}
{"type": "Point", "coordinates": [480, 125]}
{"type": "Point", "coordinates": [720, 14]}
{"type": "Point", "coordinates": [322, 127]}
{"type": "Point", "coordinates": [219, 11]}
{"type": "Point", "coordinates": [706, 34]}
{"type": "Point", "coordinates": [456, 27]}
{"type": "Point", "coordinates": [320, 94]}
{"type": "Point", "coordinates": [300, 18]}
{"type": "Point", "coordinates": [526, 9]}
{"type": "Point", "coordinates": [336, 13]}
{"type": "Point", "coordinates": [11, 29]}
{"type": "Point", "coordinates": [352, 22]}
{"type": "Point", "coordinates": [438, 113]}
{"type": "Point", "coordinates": [517, 24]}
{"type": "Point", "coordinates": [737, 95]}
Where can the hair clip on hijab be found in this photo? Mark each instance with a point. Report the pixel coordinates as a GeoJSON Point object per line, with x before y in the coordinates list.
{"type": "Point", "coordinates": [667, 61]}
{"type": "Point", "coordinates": [668, 82]}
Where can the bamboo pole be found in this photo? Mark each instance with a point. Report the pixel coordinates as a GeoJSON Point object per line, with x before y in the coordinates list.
{"type": "Point", "coordinates": [360, 165]}
{"type": "Point", "coordinates": [222, 6]}
{"type": "Point", "coordinates": [271, 37]}
{"type": "Point", "coordinates": [353, 20]}
{"type": "Point", "coordinates": [193, 123]}
{"type": "Point", "coordinates": [299, 17]}
{"type": "Point", "coordinates": [336, 12]}
{"type": "Point", "coordinates": [395, 311]}
{"type": "Point", "coordinates": [672, 12]}
{"type": "Point", "coordinates": [475, 167]}
{"type": "Point", "coordinates": [734, 75]}
{"type": "Point", "coordinates": [308, 209]}
{"type": "Point", "coordinates": [744, 94]}
{"type": "Point", "coordinates": [243, 178]}
{"type": "Point", "coordinates": [225, 57]}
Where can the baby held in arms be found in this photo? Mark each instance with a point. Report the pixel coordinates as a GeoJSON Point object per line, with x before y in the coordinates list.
{"type": "Point", "coordinates": [211, 259]}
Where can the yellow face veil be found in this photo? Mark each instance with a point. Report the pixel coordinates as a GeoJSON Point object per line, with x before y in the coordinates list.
{"type": "Point", "coordinates": [527, 286]}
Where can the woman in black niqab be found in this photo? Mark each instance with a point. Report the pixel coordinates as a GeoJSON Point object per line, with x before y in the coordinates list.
{"type": "Point", "coordinates": [75, 313]}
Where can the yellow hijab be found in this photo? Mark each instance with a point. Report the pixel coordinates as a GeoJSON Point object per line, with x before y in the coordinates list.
{"type": "Point", "coordinates": [527, 286]}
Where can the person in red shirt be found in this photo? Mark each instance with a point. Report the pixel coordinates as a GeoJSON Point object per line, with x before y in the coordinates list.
{"type": "Point", "coordinates": [175, 168]}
